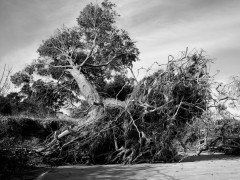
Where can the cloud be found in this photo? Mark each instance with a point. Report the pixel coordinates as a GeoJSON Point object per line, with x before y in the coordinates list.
{"type": "Point", "coordinates": [160, 28]}
{"type": "Point", "coordinates": [167, 27]}
{"type": "Point", "coordinates": [163, 13]}
{"type": "Point", "coordinates": [24, 22]}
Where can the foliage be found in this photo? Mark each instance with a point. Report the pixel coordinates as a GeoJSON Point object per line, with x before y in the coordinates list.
{"type": "Point", "coordinates": [13, 163]}
{"type": "Point", "coordinates": [5, 106]}
{"type": "Point", "coordinates": [95, 47]}
{"type": "Point", "coordinates": [220, 135]}
{"type": "Point", "coordinates": [119, 87]}
{"type": "Point", "coordinates": [146, 121]}
{"type": "Point", "coordinates": [153, 124]}
{"type": "Point", "coordinates": [16, 104]}
{"type": "Point", "coordinates": [18, 137]}
{"type": "Point", "coordinates": [232, 91]}
{"type": "Point", "coordinates": [43, 95]}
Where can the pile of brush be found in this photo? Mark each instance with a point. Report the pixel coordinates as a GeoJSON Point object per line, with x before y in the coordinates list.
{"type": "Point", "coordinates": [152, 125]}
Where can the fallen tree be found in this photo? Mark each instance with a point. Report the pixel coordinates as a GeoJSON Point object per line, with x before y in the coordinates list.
{"type": "Point", "coordinates": [82, 59]}
{"type": "Point", "coordinates": [149, 125]}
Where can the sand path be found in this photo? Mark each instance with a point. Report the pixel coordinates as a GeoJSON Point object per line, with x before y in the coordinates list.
{"type": "Point", "coordinates": [224, 168]}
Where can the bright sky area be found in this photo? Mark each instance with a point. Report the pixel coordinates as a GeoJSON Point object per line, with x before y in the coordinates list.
{"type": "Point", "coordinates": [160, 28]}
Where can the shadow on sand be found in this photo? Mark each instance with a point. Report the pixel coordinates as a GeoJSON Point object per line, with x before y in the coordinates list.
{"type": "Point", "coordinates": [121, 172]}
{"type": "Point", "coordinates": [109, 172]}
{"type": "Point", "coordinates": [209, 157]}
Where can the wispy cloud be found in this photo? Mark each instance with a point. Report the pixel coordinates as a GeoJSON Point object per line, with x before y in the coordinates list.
{"type": "Point", "coordinates": [160, 28]}
{"type": "Point", "coordinates": [166, 27]}
{"type": "Point", "coordinates": [25, 23]}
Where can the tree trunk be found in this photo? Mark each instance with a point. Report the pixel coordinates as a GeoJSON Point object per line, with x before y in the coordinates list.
{"type": "Point", "coordinates": [88, 91]}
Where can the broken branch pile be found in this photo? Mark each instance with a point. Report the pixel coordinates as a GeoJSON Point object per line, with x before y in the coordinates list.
{"type": "Point", "coordinates": [222, 136]}
{"type": "Point", "coordinates": [149, 128]}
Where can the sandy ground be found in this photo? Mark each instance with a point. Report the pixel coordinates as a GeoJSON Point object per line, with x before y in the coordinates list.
{"type": "Point", "coordinates": [214, 167]}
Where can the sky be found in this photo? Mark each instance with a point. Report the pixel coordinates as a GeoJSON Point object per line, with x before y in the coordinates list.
{"type": "Point", "coordinates": [159, 27]}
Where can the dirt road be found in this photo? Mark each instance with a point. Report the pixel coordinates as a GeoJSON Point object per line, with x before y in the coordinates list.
{"type": "Point", "coordinates": [213, 168]}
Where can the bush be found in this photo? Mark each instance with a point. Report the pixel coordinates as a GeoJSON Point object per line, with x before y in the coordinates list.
{"type": "Point", "coordinates": [13, 163]}
{"type": "Point", "coordinates": [5, 106]}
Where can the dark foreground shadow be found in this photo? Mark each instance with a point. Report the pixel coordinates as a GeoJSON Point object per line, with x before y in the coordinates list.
{"type": "Point", "coordinates": [129, 172]}
{"type": "Point", "coordinates": [208, 157]}
{"type": "Point", "coordinates": [26, 173]}
{"type": "Point", "coordinates": [34, 172]}
{"type": "Point", "coordinates": [116, 172]}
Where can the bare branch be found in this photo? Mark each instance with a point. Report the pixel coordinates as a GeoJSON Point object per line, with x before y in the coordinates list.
{"type": "Point", "coordinates": [5, 83]}
{"type": "Point", "coordinates": [121, 89]}
{"type": "Point", "coordinates": [134, 77]}
{"type": "Point", "coordinates": [67, 66]}
{"type": "Point", "coordinates": [94, 40]}
{"type": "Point", "coordinates": [69, 58]}
{"type": "Point", "coordinates": [101, 65]}
{"type": "Point", "coordinates": [91, 51]}
{"type": "Point", "coordinates": [133, 121]}
{"type": "Point", "coordinates": [4, 69]}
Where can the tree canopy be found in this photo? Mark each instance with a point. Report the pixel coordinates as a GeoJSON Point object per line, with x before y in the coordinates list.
{"type": "Point", "coordinates": [94, 51]}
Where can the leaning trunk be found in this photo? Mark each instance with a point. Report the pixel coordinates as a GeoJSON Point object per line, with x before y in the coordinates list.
{"type": "Point", "coordinates": [86, 88]}
{"type": "Point", "coordinates": [89, 92]}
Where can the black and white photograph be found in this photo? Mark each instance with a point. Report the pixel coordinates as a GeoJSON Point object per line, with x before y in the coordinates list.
{"type": "Point", "coordinates": [119, 89]}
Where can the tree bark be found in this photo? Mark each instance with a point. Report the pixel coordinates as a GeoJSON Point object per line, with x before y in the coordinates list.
{"type": "Point", "coordinates": [88, 91]}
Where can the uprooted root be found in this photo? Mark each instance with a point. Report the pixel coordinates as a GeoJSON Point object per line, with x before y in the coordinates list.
{"type": "Point", "coordinates": [151, 124]}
